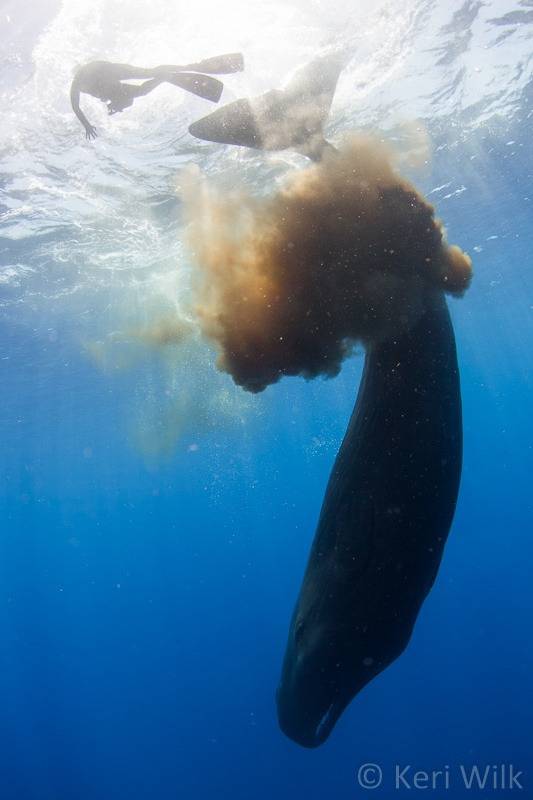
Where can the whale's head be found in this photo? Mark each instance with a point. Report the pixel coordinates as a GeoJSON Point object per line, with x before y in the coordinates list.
{"type": "Point", "coordinates": [334, 648]}
{"type": "Point", "coordinates": [312, 691]}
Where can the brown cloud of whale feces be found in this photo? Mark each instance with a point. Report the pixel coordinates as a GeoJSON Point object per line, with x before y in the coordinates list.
{"type": "Point", "coordinates": [345, 252]}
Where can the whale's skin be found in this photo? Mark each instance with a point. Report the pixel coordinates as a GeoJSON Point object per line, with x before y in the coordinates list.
{"type": "Point", "coordinates": [386, 514]}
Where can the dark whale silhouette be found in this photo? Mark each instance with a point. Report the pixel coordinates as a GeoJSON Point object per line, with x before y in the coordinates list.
{"type": "Point", "coordinates": [391, 496]}
{"type": "Point", "coordinates": [292, 117]}
{"type": "Point", "coordinates": [386, 514]}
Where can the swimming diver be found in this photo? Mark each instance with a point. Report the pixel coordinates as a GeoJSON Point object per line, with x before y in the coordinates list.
{"type": "Point", "coordinates": [104, 80]}
{"type": "Point", "coordinates": [281, 118]}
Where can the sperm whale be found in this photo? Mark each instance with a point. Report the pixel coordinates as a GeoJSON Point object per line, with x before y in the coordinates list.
{"type": "Point", "coordinates": [348, 251]}
{"type": "Point", "coordinates": [386, 514]}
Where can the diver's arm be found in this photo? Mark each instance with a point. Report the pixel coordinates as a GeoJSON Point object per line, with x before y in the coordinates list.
{"type": "Point", "coordinates": [90, 130]}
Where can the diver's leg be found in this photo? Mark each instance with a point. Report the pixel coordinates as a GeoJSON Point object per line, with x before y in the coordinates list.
{"type": "Point", "coordinates": [126, 72]}
{"type": "Point", "coordinates": [202, 85]}
{"type": "Point", "coordinates": [121, 97]}
{"type": "Point", "coordinates": [216, 65]}
{"type": "Point", "coordinates": [146, 87]}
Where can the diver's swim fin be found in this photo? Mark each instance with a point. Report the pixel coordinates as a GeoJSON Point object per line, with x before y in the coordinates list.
{"type": "Point", "coordinates": [202, 85]}
{"type": "Point", "coordinates": [219, 65]}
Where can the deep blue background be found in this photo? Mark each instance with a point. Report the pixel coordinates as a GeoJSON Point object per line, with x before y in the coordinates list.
{"type": "Point", "coordinates": [143, 611]}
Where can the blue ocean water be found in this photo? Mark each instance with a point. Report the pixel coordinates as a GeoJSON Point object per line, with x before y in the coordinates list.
{"type": "Point", "coordinates": [155, 519]}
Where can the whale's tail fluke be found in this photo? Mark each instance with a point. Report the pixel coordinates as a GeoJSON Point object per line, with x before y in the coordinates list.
{"type": "Point", "coordinates": [235, 124]}
{"type": "Point", "coordinates": [293, 117]}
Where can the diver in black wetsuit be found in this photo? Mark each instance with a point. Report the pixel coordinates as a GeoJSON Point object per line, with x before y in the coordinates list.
{"type": "Point", "coordinates": [105, 80]}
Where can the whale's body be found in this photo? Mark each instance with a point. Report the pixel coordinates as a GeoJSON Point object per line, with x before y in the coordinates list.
{"type": "Point", "coordinates": [388, 507]}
